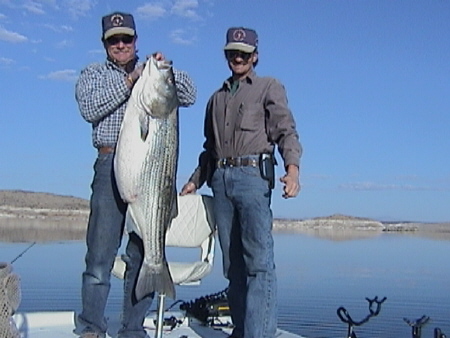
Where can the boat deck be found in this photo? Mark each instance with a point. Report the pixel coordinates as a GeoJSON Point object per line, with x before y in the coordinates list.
{"type": "Point", "coordinates": [60, 324]}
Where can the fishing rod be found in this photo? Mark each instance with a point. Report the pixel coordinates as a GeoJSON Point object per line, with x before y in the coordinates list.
{"type": "Point", "coordinates": [23, 252]}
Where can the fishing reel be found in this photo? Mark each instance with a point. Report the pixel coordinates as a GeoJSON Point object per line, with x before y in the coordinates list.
{"type": "Point", "coordinates": [208, 309]}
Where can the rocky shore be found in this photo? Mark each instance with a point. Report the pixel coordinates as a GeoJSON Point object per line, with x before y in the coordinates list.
{"type": "Point", "coordinates": [31, 216]}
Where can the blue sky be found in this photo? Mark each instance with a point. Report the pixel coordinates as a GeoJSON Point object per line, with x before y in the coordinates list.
{"type": "Point", "coordinates": [368, 82]}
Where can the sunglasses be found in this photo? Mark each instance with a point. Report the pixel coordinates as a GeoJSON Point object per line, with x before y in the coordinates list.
{"type": "Point", "coordinates": [233, 54]}
{"type": "Point", "coordinates": [115, 39]}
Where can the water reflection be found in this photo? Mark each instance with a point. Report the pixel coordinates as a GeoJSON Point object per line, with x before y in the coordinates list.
{"type": "Point", "coordinates": [316, 277]}
{"type": "Point", "coordinates": [42, 229]}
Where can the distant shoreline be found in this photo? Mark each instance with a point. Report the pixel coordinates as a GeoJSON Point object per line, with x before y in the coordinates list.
{"type": "Point", "coordinates": [29, 216]}
{"type": "Point", "coordinates": [42, 225]}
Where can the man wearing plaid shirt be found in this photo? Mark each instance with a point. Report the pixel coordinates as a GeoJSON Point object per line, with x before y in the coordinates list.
{"type": "Point", "coordinates": [102, 92]}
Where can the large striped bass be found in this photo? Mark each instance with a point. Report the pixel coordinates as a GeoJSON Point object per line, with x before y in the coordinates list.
{"type": "Point", "coordinates": [145, 167]}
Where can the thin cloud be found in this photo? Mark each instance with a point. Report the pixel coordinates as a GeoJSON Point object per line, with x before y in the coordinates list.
{"type": "Point", "coordinates": [2, 16]}
{"type": "Point", "coordinates": [52, 3]}
{"type": "Point", "coordinates": [68, 75]}
{"type": "Point", "coordinates": [64, 44]}
{"type": "Point", "coordinates": [151, 11]}
{"type": "Point", "coordinates": [10, 36]}
{"type": "Point", "coordinates": [34, 7]}
{"type": "Point", "coordinates": [371, 186]}
{"type": "Point", "coordinates": [181, 37]}
{"type": "Point", "coordinates": [66, 28]}
{"type": "Point", "coordinates": [79, 8]}
{"type": "Point", "coordinates": [411, 177]}
{"type": "Point", "coordinates": [186, 9]}
{"type": "Point", "coordinates": [96, 51]}
{"type": "Point", "coordinates": [181, 8]}
{"type": "Point", "coordinates": [6, 3]}
{"type": "Point", "coordinates": [59, 29]}
{"type": "Point", "coordinates": [319, 177]}
{"type": "Point", "coordinates": [6, 61]}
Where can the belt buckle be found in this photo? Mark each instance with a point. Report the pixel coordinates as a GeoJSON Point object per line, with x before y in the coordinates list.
{"type": "Point", "coordinates": [236, 162]}
{"type": "Point", "coordinates": [232, 162]}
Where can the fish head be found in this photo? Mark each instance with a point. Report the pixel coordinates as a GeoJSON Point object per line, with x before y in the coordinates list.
{"type": "Point", "coordinates": [158, 94]}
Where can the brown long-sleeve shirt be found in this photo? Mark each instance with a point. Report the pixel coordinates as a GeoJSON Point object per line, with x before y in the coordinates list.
{"type": "Point", "coordinates": [250, 121]}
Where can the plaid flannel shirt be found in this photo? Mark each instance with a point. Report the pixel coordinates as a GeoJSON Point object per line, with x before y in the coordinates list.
{"type": "Point", "coordinates": [102, 95]}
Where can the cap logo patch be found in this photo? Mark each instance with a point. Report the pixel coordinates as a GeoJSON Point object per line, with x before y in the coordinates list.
{"type": "Point", "coordinates": [239, 35]}
{"type": "Point", "coordinates": [117, 20]}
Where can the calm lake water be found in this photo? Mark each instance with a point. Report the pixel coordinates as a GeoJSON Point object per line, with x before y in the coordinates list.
{"type": "Point", "coordinates": [316, 277]}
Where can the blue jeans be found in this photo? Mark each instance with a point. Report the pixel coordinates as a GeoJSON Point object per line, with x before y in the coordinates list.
{"type": "Point", "coordinates": [244, 221]}
{"type": "Point", "coordinates": [103, 239]}
{"type": "Point", "coordinates": [134, 311]}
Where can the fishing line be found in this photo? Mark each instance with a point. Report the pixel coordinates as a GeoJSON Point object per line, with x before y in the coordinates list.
{"type": "Point", "coordinates": [23, 252]}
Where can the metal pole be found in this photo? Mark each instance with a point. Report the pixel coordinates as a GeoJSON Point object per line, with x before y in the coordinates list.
{"type": "Point", "coordinates": [160, 316]}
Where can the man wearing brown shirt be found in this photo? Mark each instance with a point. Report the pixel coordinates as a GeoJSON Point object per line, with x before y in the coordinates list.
{"type": "Point", "coordinates": [244, 121]}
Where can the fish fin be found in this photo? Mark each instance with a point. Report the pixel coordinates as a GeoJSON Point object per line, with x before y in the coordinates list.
{"type": "Point", "coordinates": [143, 121]}
{"type": "Point", "coordinates": [151, 280]}
{"type": "Point", "coordinates": [174, 211]}
{"type": "Point", "coordinates": [130, 221]}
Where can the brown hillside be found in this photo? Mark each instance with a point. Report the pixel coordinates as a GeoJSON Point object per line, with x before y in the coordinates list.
{"type": "Point", "coordinates": [39, 200]}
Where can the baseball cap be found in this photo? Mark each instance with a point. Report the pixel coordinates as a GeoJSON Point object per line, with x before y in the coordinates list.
{"type": "Point", "coordinates": [118, 23]}
{"type": "Point", "coordinates": [241, 38]}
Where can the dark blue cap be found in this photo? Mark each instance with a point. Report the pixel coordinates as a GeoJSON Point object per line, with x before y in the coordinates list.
{"type": "Point", "coordinates": [241, 38]}
{"type": "Point", "coordinates": [118, 23]}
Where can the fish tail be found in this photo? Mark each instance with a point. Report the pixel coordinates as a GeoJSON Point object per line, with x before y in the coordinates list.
{"type": "Point", "coordinates": [150, 281]}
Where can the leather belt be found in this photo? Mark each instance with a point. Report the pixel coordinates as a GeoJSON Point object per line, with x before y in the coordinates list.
{"type": "Point", "coordinates": [237, 162]}
{"type": "Point", "coordinates": [105, 150]}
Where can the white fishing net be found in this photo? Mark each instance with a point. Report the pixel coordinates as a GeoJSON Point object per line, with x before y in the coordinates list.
{"type": "Point", "coordinates": [10, 297]}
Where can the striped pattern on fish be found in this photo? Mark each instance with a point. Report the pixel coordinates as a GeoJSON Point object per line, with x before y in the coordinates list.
{"type": "Point", "coordinates": [145, 167]}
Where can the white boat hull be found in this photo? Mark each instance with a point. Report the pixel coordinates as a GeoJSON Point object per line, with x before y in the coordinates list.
{"type": "Point", "coordinates": [60, 324]}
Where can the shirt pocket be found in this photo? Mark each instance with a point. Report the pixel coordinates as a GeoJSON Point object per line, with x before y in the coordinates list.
{"type": "Point", "coordinates": [251, 117]}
